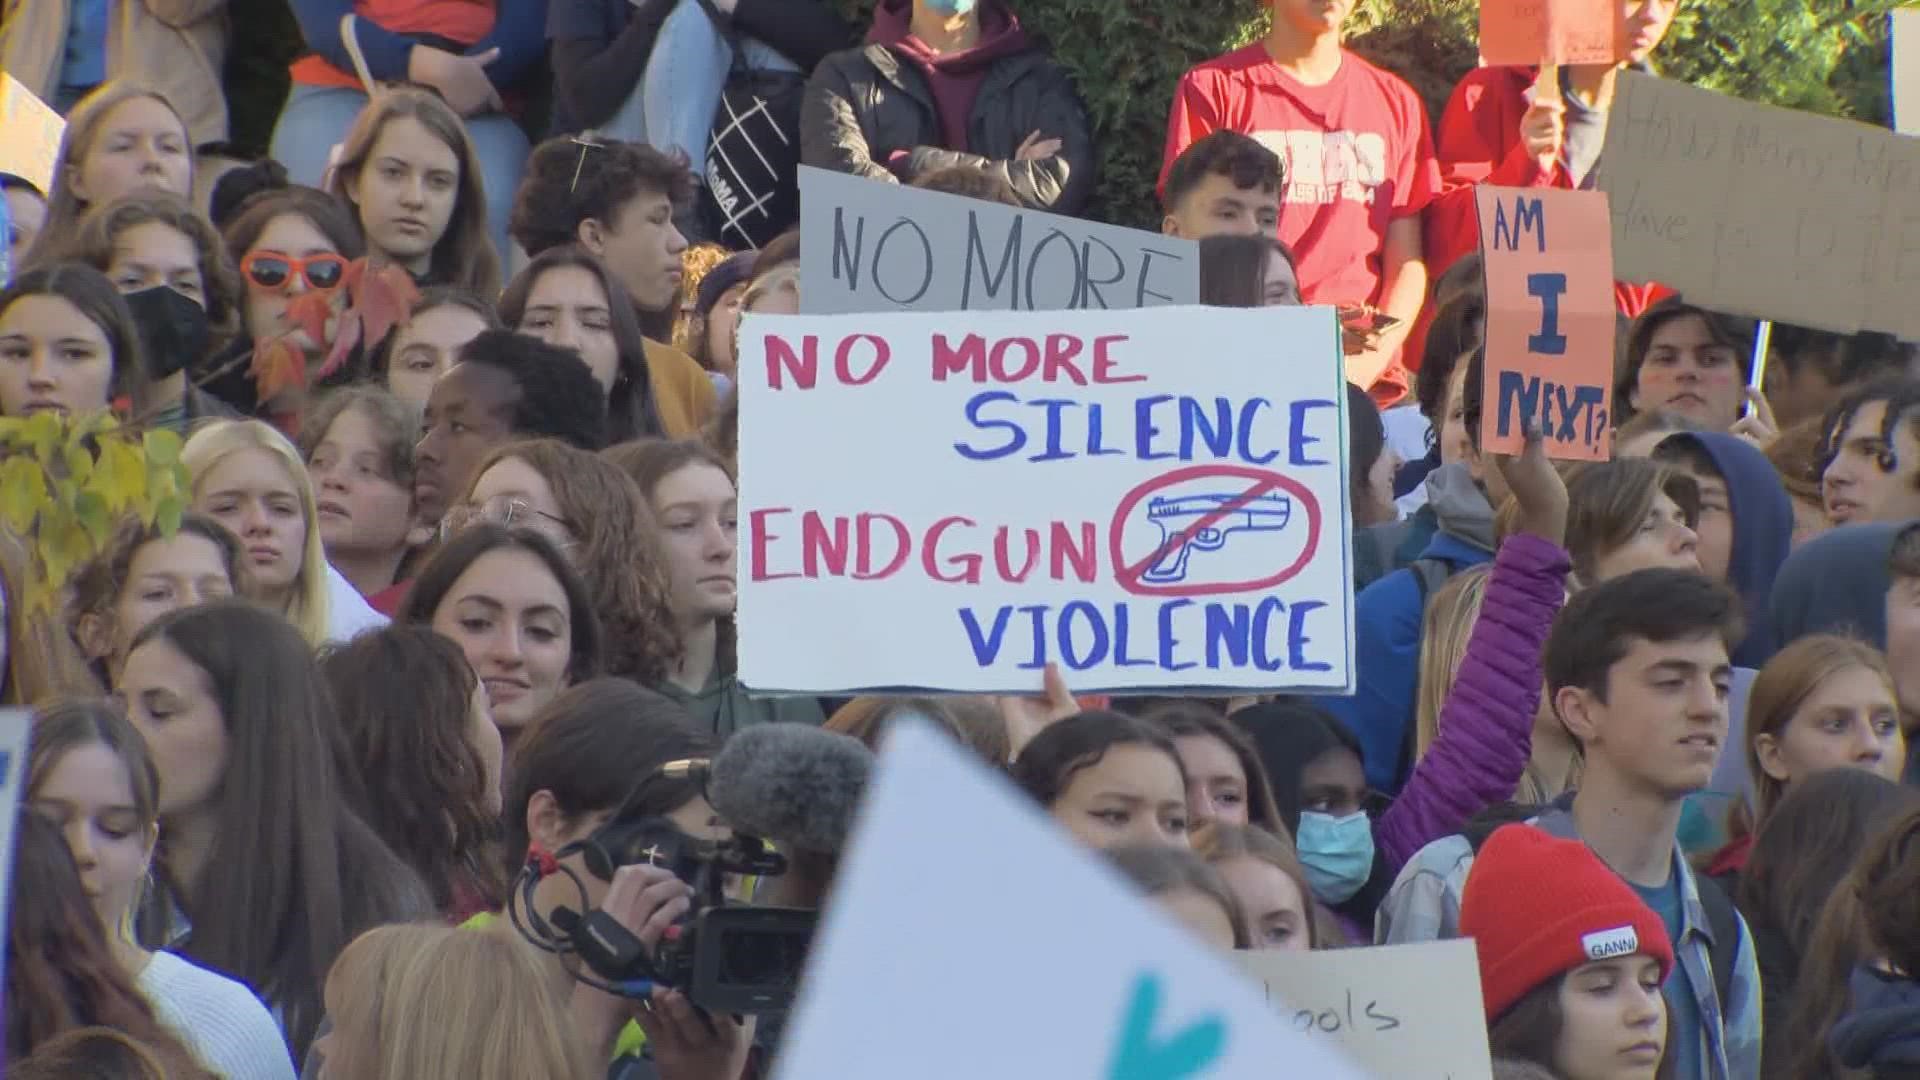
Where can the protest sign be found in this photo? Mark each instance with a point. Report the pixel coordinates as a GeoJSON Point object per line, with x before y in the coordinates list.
{"type": "Point", "coordinates": [1760, 211]}
{"type": "Point", "coordinates": [923, 967]}
{"type": "Point", "coordinates": [1152, 499]}
{"type": "Point", "coordinates": [1412, 1012]}
{"type": "Point", "coordinates": [868, 245]}
{"type": "Point", "coordinates": [1523, 33]}
{"type": "Point", "coordinates": [1550, 320]}
{"type": "Point", "coordinates": [1906, 70]}
{"type": "Point", "coordinates": [30, 134]}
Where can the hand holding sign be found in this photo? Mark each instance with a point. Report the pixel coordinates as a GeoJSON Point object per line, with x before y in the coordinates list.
{"type": "Point", "coordinates": [1758, 427]}
{"type": "Point", "coordinates": [1537, 487]}
{"type": "Point", "coordinates": [1543, 127]}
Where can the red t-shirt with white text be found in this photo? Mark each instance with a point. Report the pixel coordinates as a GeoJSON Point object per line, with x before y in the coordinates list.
{"type": "Point", "coordinates": [1357, 151]}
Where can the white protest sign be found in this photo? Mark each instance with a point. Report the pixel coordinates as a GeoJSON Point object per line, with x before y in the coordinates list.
{"type": "Point", "coordinates": [1906, 70]}
{"type": "Point", "coordinates": [1412, 1012]}
{"type": "Point", "coordinates": [867, 245]}
{"type": "Point", "coordinates": [968, 937]}
{"type": "Point", "coordinates": [1761, 211]}
{"type": "Point", "coordinates": [1152, 498]}
{"type": "Point", "coordinates": [16, 725]}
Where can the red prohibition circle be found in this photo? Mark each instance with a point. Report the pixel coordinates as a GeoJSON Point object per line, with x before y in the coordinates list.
{"type": "Point", "coordinates": [1262, 481]}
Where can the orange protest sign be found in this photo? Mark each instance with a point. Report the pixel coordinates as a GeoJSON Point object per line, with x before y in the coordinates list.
{"type": "Point", "coordinates": [1550, 320]}
{"type": "Point", "coordinates": [1522, 33]}
{"type": "Point", "coordinates": [29, 133]}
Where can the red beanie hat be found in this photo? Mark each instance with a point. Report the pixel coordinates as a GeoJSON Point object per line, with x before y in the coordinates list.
{"type": "Point", "coordinates": [1537, 907]}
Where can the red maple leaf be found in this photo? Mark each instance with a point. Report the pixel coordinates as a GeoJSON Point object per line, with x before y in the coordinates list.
{"type": "Point", "coordinates": [378, 298]}
{"type": "Point", "coordinates": [278, 365]}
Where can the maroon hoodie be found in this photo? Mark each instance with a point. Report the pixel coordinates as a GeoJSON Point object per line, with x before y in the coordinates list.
{"type": "Point", "coordinates": [955, 77]}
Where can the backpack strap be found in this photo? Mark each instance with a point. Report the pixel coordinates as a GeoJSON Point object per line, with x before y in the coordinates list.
{"type": "Point", "coordinates": [1724, 924]}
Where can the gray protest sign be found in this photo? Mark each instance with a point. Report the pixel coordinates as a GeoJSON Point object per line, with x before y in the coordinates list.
{"type": "Point", "coordinates": [873, 246]}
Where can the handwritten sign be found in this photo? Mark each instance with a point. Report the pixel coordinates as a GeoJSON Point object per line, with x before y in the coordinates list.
{"type": "Point", "coordinates": [1550, 320]}
{"type": "Point", "coordinates": [872, 246]}
{"type": "Point", "coordinates": [1765, 212]}
{"type": "Point", "coordinates": [1522, 33]}
{"type": "Point", "coordinates": [1148, 498]}
{"type": "Point", "coordinates": [1906, 70]}
{"type": "Point", "coordinates": [30, 134]}
{"type": "Point", "coordinates": [1411, 1012]}
{"type": "Point", "coordinates": [1080, 979]}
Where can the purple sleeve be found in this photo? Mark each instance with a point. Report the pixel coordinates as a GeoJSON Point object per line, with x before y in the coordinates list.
{"type": "Point", "coordinates": [1486, 724]}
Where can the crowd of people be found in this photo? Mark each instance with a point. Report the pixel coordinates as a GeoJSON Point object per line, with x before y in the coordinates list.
{"type": "Point", "coordinates": [317, 774]}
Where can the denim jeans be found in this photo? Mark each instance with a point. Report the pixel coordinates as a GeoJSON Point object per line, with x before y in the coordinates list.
{"type": "Point", "coordinates": [672, 107]}
{"type": "Point", "coordinates": [316, 118]}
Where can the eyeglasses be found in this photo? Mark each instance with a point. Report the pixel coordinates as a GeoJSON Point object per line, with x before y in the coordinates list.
{"type": "Point", "coordinates": [275, 270]}
{"type": "Point", "coordinates": [509, 511]}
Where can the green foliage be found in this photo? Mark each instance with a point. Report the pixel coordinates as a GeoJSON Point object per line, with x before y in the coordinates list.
{"type": "Point", "coordinates": [67, 482]}
{"type": "Point", "coordinates": [1828, 56]}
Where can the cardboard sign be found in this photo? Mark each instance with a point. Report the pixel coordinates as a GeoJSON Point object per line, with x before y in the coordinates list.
{"type": "Point", "coordinates": [1151, 499]}
{"type": "Point", "coordinates": [1550, 320]}
{"type": "Point", "coordinates": [1523, 33]}
{"type": "Point", "coordinates": [872, 246]}
{"type": "Point", "coordinates": [30, 134]}
{"type": "Point", "coordinates": [1412, 1012]}
{"type": "Point", "coordinates": [922, 968]}
{"type": "Point", "coordinates": [1765, 212]}
{"type": "Point", "coordinates": [1906, 70]}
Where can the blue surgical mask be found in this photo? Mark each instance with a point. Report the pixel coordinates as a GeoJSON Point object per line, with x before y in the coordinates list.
{"type": "Point", "coordinates": [951, 8]}
{"type": "Point", "coordinates": [1337, 853]}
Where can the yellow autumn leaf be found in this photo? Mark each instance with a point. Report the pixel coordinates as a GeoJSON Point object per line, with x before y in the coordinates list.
{"type": "Point", "coordinates": [162, 447]}
{"type": "Point", "coordinates": [23, 491]}
{"type": "Point", "coordinates": [45, 434]}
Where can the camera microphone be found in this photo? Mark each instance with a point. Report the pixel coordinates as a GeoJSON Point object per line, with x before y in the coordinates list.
{"type": "Point", "coordinates": [793, 784]}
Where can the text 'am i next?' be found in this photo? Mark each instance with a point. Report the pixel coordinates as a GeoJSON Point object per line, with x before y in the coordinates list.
{"type": "Point", "coordinates": [1152, 499]}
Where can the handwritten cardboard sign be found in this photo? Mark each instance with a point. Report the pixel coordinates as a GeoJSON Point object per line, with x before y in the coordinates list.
{"type": "Point", "coordinates": [873, 246]}
{"type": "Point", "coordinates": [1522, 33]}
{"type": "Point", "coordinates": [1765, 212]}
{"type": "Point", "coordinates": [30, 134]}
{"type": "Point", "coordinates": [1550, 321]}
{"type": "Point", "coordinates": [1906, 70]}
{"type": "Point", "coordinates": [923, 969]}
{"type": "Point", "coordinates": [1412, 1012]}
{"type": "Point", "coordinates": [1152, 498]}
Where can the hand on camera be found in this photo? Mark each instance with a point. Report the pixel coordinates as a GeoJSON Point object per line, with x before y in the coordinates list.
{"type": "Point", "coordinates": [689, 1044]}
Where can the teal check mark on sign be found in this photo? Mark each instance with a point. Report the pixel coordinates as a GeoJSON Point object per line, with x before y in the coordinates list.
{"type": "Point", "coordinates": [1140, 1056]}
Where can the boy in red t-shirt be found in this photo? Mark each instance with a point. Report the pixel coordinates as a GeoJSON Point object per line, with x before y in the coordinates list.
{"type": "Point", "coordinates": [1359, 164]}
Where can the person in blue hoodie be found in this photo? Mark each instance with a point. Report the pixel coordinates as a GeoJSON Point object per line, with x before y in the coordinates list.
{"type": "Point", "coordinates": [1387, 613]}
{"type": "Point", "coordinates": [1745, 528]}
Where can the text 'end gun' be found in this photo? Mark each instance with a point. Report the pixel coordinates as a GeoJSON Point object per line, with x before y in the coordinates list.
{"type": "Point", "coordinates": [1265, 513]}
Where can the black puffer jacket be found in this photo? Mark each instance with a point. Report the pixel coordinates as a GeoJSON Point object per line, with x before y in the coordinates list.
{"type": "Point", "coordinates": [864, 105]}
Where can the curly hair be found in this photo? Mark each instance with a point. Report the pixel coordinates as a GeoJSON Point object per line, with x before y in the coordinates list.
{"type": "Point", "coordinates": [619, 556]}
{"type": "Point", "coordinates": [559, 397]}
{"type": "Point", "coordinates": [568, 181]}
{"type": "Point", "coordinates": [404, 696]}
{"type": "Point", "coordinates": [61, 973]}
{"type": "Point", "coordinates": [102, 227]}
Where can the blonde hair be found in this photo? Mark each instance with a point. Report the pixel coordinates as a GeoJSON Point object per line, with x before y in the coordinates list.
{"type": "Point", "coordinates": [782, 278]}
{"type": "Point", "coordinates": [306, 608]}
{"type": "Point", "coordinates": [64, 208]}
{"type": "Point", "coordinates": [1218, 843]}
{"type": "Point", "coordinates": [427, 1002]}
{"type": "Point", "coordinates": [1445, 631]}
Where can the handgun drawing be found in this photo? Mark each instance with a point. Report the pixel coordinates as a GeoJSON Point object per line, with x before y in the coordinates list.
{"type": "Point", "coordinates": [1265, 513]}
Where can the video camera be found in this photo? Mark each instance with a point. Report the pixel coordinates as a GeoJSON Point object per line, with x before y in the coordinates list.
{"type": "Point", "coordinates": [728, 958]}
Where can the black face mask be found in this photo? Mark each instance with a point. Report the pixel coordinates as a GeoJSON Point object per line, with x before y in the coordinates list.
{"type": "Point", "coordinates": [173, 329]}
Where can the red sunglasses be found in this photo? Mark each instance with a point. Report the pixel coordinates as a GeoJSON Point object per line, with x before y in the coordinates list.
{"type": "Point", "coordinates": [273, 270]}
